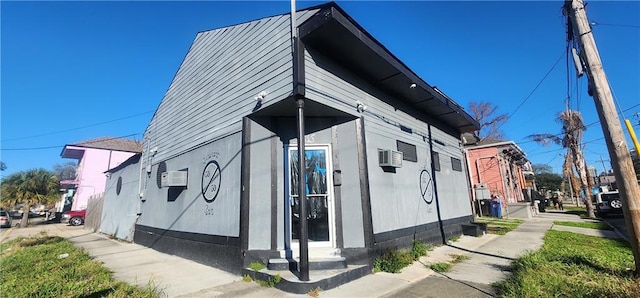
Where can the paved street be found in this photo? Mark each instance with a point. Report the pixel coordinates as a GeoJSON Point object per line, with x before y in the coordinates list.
{"type": "Point", "coordinates": [617, 220]}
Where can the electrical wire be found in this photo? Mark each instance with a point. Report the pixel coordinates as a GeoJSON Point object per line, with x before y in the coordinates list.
{"type": "Point", "coordinates": [61, 146]}
{"type": "Point", "coordinates": [534, 89]}
{"type": "Point", "coordinates": [77, 128]}
{"type": "Point", "coordinates": [613, 25]}
{"type": "Point", "coordinates": [587, 125]}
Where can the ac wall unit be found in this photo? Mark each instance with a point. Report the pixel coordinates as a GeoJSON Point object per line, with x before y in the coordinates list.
{"type": "Point", "coordinates": [390, 158]}
{"type": "Point", "coordinates": [173, 178]}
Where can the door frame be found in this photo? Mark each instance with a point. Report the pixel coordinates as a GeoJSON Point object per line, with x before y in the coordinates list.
{"type": "Point", "coordinates": [290, 244]}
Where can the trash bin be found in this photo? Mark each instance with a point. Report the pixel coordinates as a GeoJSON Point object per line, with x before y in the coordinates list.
{"type": "Point", "coordinates": [496, 208]}
{"type": "Point", "coordinates": [541, 205]}
{"type": "Point", "coordinates": [485, 207]}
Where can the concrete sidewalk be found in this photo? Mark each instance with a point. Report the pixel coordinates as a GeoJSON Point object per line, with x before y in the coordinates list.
{"type": "Point", "coordinates": [489, 261]}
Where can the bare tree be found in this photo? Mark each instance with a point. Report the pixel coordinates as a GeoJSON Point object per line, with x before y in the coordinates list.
{"type": "Point", "coordinates": [570, 138]}
{"type": "Point", "coordinates": [541, 169]}
{"type": "Point", "coordinates": [65, 171]}
{"type": "Point", "coordinates": [484, 113]}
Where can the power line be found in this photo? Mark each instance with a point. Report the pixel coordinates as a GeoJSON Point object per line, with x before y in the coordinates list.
{"type": "Point", "coordinates": [535, 88]}
{"type": "Point", "coordinates": [77, 128]}
{"type": "Point", "coordinates": [614, 25]}
{"type": "Point", "coordinates": [587, 125]}
{"type": "Point", "coordinates": [61, 146]}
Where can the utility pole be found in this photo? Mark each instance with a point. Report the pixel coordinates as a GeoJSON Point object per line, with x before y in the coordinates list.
{"type": "Point", "coordinates": [612, 129]}
{"type": "Point", "coordinates": [604, 168]}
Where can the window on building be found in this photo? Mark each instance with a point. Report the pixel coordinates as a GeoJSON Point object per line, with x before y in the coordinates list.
{"type": "Point", "coordinates": [409, 152]}
{"type": "Point", "coordinates": [436, 161]}
{"type": "Point", "coordinates": [456, 164]}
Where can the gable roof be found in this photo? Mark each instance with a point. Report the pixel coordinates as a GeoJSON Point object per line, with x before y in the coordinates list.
{"type": "Point", "coordinates": [107, 143]}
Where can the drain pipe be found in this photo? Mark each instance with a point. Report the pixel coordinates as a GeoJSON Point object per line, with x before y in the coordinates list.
{"type": "Point", "coordinates": [435, 187]}
{"type": "Point", "coordinates": [298, 95]}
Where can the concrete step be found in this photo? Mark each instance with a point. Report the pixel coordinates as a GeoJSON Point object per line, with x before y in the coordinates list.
{"type": "Point", "coordinates": [326, 263]}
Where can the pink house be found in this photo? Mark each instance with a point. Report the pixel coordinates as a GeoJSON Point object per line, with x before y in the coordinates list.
{"type": "Point", "coordinates": [94, 157]}
{"type": "Point", "coordinates": [499, 167]}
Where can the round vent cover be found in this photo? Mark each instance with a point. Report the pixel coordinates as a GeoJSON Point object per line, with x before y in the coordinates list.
{"type": "Point", "coordinates": [162, 167]}
{"type": "Point", "coordinates": [119, 186]}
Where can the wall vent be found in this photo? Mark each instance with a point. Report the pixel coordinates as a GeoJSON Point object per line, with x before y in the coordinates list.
{"type": "Point", "coordinates": [481, 186]}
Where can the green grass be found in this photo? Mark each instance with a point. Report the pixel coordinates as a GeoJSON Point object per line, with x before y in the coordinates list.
{"type": "Point", "coordinates": [256, 266]}
{"type": "Point", "coordinates": [580, 211]}
{"type": "Point", "coordinates": [440, 267]}
{"type": "Point", "coordinates": [499, 226]}
{"type": "Point", "coordinates": [573, 265]}
{"type": "Point", "coordinates": [393, 260]}
{"type": "Point", "coordinates": [455, 259]}
{"type": "Point", "coordinates": [588, 225]}
{"type": "Point", "coordinates": [270, 282]}
{"type": "Point", "coordinates": [45, 266]}
{"type": "Point", "coordinates": [419, 249]}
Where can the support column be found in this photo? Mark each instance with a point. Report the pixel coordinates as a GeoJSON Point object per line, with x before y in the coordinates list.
{"type": "Point", "coordinates": [302, 195]}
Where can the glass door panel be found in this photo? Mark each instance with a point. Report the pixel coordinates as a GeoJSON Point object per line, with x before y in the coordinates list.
{"type": "Point", "coordinates": [317, 189]}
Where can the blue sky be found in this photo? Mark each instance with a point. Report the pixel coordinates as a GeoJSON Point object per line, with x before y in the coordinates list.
{"type": "Point", "coordinates": [72, 71]}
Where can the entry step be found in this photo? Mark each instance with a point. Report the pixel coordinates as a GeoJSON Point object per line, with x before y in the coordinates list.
{"type": "Point", "coordinates": [314, 264]}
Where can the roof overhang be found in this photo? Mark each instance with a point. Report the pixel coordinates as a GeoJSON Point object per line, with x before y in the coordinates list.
{"type": "Point", "coordinates": [507, 148]}
{"type": "Point", "coordinates": [69, 183]}
{"type": "Point", "coordinates": [72, 152]}
{"type": "Point", "coordinates": [335, 35]}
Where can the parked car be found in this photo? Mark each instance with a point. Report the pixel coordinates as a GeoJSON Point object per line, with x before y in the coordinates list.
{"type": "Point", "coordinates": [608, 203]}
{"type": "Point", "coordinates": [74, 217]}
{"type": "Point", "coordinates": [5, 219]}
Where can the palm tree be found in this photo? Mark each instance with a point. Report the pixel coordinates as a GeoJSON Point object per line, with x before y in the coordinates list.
{"type": "Point", "coordinates": [36, 186]}
{"type": "Point", "coordinates": [570, 138]}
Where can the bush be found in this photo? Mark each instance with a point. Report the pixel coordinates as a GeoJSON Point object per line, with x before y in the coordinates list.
{"type": "Point", "coordinates": [419, 249]}
{"type": "Point", "coordinates": [392, 261]}
{"type": "Point", "coordinates": [270, 282]}
{"type": "Point", "coordinates": [440, 267]}
{"type": "Point", "coordinates": [256, 266]}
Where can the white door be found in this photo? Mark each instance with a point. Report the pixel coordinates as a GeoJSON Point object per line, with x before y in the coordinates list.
{"type": "Point", "coordinates": [319, 191]}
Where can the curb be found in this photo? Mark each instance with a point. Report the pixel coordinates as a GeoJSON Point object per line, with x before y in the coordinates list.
{"type": "Point", "coordinates": [622, 236]}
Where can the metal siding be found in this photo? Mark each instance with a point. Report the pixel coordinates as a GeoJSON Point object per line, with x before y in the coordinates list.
{"type": "Point", "coordinates": [190, 212]}
{"type": "Point", "coordinates": [332, 85]}
{"type": "Point", "coordinates": [452, 185]}
{"type": "Point", "coordinates": [453, 189]}
{"type": "Point", "coordinates": [396, 199]}
{"type": "Point", "coordinates": [217, 82]}
{"type": "Point", "coordinates": [260, 189]}
{"type": "Point", "coordinates": [352, 229]}
{"type": "Point", "coordinates": [119, 212]}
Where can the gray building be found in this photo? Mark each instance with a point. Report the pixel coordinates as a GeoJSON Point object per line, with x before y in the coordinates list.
{"type": "Point", "coordinates": [217, 180]}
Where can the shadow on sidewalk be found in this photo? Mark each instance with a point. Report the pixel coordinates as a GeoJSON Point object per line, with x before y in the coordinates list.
{"type": "Point", "coordinates": [479, 252]}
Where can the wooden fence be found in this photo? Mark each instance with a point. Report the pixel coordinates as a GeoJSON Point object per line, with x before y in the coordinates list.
{"type": "Point", "coordinates": [94, 212]}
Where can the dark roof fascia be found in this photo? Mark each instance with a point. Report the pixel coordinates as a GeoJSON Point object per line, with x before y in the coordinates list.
{"type": "Point", "coordinates": [131, 160]}
{"type": "Point", "coordinates": [64, 149]}
{"type": "Point", "coordinates": [99, 148]}
{"type": "Point", "coordinates": [331, 11]}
